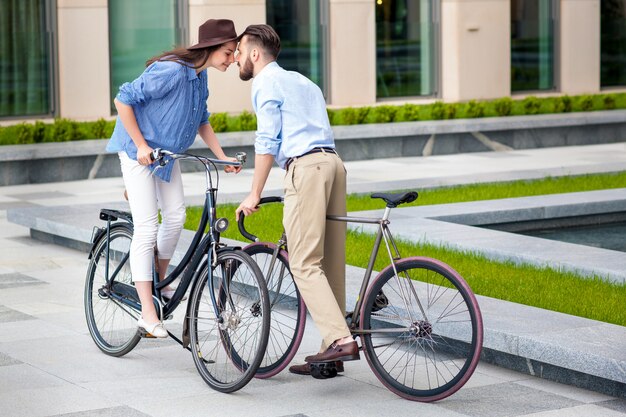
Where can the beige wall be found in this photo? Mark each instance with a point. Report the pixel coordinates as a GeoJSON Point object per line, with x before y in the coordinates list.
{"type": "Point", "coordinates": [580, 46]}
{"type": "Point", "coordinates": [352, 52]}
{"type": "Point", "coordinates": [83, 46]}
{"type": "Point", "coordinates": [227, 93]}
{"type": "Point", "coordinates": [475, 49]}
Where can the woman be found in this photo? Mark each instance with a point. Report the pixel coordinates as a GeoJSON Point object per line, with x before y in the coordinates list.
{"type": "Point", "coordinates": [165, 108]}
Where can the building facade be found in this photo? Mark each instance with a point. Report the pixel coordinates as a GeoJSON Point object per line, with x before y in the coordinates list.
{"type": "Point", "coordinates": [67, 58]}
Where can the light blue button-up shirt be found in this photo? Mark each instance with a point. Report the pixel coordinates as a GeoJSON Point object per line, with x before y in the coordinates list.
{"type": "Point", "coordinates": [169, 101]}
{"type": "Point", "coordinates": [291, 114]}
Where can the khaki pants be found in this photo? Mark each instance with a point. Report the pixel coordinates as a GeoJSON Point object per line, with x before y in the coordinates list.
{"type": "Point", "coordinates": [315, 185]}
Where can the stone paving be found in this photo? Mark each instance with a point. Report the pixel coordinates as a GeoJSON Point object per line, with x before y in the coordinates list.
{"type": "Point", "coordinates": [49, 365]}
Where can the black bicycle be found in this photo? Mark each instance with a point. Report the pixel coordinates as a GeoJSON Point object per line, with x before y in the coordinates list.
{"type": "Point", "coordinates": [418, 320]}
{"type": "Point", "coordinates": [226, 325]}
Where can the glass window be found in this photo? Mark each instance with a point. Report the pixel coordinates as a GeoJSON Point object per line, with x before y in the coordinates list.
{"type": "Point", "coordinates": [613, 43]}
{"type": "Point", "coordinates": [405, 48]}
{"type": "Point", "coordinates": [25, 53]}
{"type": "Point", "coordinates": [139, 30]}
{"type": "Point", "coordinates": [298, 23]}
{"type": "Point", "coordinates": [532, 45]}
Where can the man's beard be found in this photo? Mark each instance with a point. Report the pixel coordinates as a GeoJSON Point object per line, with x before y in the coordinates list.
{"type": "Point", "coordinates": [247, 71]}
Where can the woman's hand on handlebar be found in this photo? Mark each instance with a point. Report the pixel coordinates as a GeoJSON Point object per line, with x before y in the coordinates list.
{"type": "Point", "coordinates": [248, 206]}
{"type": "Point", "coordinates": [144, 155]}
{"type": "Point", "coordinates": [232, 168]}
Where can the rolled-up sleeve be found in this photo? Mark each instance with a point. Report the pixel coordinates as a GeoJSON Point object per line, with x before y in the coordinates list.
{"type": "Point", "coordinates": [155, 82]}
{"type": "Point", "coordinates": [267, 101]}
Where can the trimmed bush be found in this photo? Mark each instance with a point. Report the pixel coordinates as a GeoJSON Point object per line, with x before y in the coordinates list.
{"type": "Point", "coordinates": [408, 113]}
{"type": "Point", "coordinates": [219, 122]}
{"type": "Point", "coordinates": [382, 114]}
{"type": "Point", "coordinates": [65, 130]}
{"type": "Point", "coordinates": [532, 105]}
{"type": "Point", "coordinates": [503, 106]}
{"type": "Point", "coordinates": [475, 109]}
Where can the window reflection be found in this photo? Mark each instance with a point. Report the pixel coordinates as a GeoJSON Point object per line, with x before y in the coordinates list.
{"type": "Point", "coordinates": [404, 48]}
{"type": "Point", "coordinates": [532, 45]}
{"type": "Point", "coordinates": [24, 59]}
{"type": "Point", "coordinates": [613, 43]}
{"type": "Point", "coordinates": [138, 30]}
{"type": "Point", "coordinates": [299, 27]}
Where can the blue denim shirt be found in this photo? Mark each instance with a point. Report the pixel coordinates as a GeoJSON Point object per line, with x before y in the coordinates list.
{"type": "Point", "coordinates": [169, 101]}
{"type": "Point", "coordinates": [291, 114]}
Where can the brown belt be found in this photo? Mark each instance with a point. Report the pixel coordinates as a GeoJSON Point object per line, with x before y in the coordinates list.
{"type": "Point", "coordinates": [314, 150]}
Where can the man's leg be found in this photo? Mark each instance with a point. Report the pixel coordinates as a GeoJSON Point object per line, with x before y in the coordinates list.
{"type": "Point", "coordinates": [308, 186]}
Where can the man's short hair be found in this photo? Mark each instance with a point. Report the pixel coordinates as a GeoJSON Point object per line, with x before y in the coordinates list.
{"type": "Point", "coordinates": [265, 37]}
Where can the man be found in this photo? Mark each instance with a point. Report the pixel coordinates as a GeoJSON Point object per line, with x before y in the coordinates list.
{"type": "Point", "coordinates": [293, 129]}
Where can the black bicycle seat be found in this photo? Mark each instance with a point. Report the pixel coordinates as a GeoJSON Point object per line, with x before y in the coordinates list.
{"type": "Point", "coordinates": [395, 199]}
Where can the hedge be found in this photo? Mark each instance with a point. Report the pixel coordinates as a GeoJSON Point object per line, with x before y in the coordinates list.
{"type": "Point", "coordinates": [63, 130]}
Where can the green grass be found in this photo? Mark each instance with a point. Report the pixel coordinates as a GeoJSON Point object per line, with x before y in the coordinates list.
{"type": "Point", "coordinates": [525, 284]}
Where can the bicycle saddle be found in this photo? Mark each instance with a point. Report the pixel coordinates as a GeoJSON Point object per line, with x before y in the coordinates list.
{"type": "Point", "coordinates": [395, 199]}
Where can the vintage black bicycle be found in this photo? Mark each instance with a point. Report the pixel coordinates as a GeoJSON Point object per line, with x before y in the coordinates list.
{"type": "Point", "coordinates": [419, 322]}
{"type": "Point", "coordinates": [226, 324]}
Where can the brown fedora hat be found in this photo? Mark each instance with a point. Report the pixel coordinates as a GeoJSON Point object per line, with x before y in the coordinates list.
{"type": "Point", "coordinates": [215, 32]}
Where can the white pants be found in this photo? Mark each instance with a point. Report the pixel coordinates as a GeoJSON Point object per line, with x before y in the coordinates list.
{"type": "Point", "coordinates": [146, 195]}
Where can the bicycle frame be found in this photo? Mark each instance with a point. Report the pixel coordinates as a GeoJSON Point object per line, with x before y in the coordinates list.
{"type": "Point", "coordinates": [383, 234]}
{"type": "Point", "coordinates": [202, 245]}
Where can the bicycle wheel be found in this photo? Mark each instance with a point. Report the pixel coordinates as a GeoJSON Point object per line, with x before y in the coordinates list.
{"type": "Point", "coordinates": [111, 322]}
{"type": "Point", "coordinates": [229, 321]}
{"type": "Point", "coordinates": [424, 332]}
{"type": "Point", "coordinates": [288, 310]}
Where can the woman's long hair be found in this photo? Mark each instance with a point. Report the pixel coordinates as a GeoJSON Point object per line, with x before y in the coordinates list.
{"type": "Point", "coordinates": [193, 58]}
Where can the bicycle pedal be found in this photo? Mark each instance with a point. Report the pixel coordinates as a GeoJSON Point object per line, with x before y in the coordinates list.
{"type": "Point", "coordinates": [143, 333]}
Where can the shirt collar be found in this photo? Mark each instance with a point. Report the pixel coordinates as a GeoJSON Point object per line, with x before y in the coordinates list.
{"type": "Point", "coordinates": [191, 73]}
{"type": "Point", "coordinates": [268, 67]}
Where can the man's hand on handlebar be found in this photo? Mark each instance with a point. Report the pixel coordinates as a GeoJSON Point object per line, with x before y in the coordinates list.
{"type": "Point", "coordinates": [248, 206]}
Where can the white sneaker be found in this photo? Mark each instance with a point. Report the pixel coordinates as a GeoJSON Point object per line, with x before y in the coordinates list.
{"type": "Point", "coordinates": [156, 329]}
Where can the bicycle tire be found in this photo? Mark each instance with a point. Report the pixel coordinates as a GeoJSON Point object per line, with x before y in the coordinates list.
{"type": "Point", "coordinates": [288, 316]}
{"type": "Point", "coordinates": [220, 334]}
{"type": "Point", "coordinates": [112, 324]}
{"type": "Point", "coordinates": [439, 348]}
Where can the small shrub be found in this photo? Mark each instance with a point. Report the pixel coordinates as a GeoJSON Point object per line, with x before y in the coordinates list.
{"type": "Point", "coordinates": [475, 109]}
{"type": "Point", "coordinates": [24, 133]}
{"type": "Point", "coordinates": [351, 115]}
{"type": "Point", "coordinates": [532, 105]}
{"type": "Point", "coordinates": [450, 110]}
{"type": "Point", "coordinates": [247, 120]}
{"type": "Point", "coordinates": [219, 122]}
{"type": "Point", "coordinates": [563, 104]}
{"type": "Point", "coordinates": [39, 131]}
{"type": "Point", "coordinates": [331, 116]}
{"type": "Point", "coordinates": [437, 111]}
{"type": "Point", "coordinates": [503, 106]}
{"type": "Point", "coordinates": [585, 103]}
{"type": "Point", "coordinates": [408, 112]}
{"type": "Point", "coordinates": [608, 101]}
{"type": "Point", "coordinates": [382, 114]}
{"type": "Point", "coordinates": [62, 130]}
{"type": "Point", "coordinates": [99, 130]}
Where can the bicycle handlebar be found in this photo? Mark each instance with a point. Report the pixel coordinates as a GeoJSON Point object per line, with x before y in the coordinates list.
{"type": "Point", "coordinates": [240, 223]}
{"type": "Point", "coordinates": [158, 155]}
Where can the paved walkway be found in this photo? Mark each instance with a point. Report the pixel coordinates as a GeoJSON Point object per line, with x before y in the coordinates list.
{"type": "Point", "coordinates": [50, 367]}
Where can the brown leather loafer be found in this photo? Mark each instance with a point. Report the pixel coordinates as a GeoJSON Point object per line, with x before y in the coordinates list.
{"type": "Point", "coordinates": [335, 352]}
{"type": "Point", "coordinates": [305, 369]}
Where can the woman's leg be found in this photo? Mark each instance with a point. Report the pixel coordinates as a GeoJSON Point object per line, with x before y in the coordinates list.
{"type": "Point", "coordinates": [142, 198]}
{"type": "Point", "coordinates": [171, 200]}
